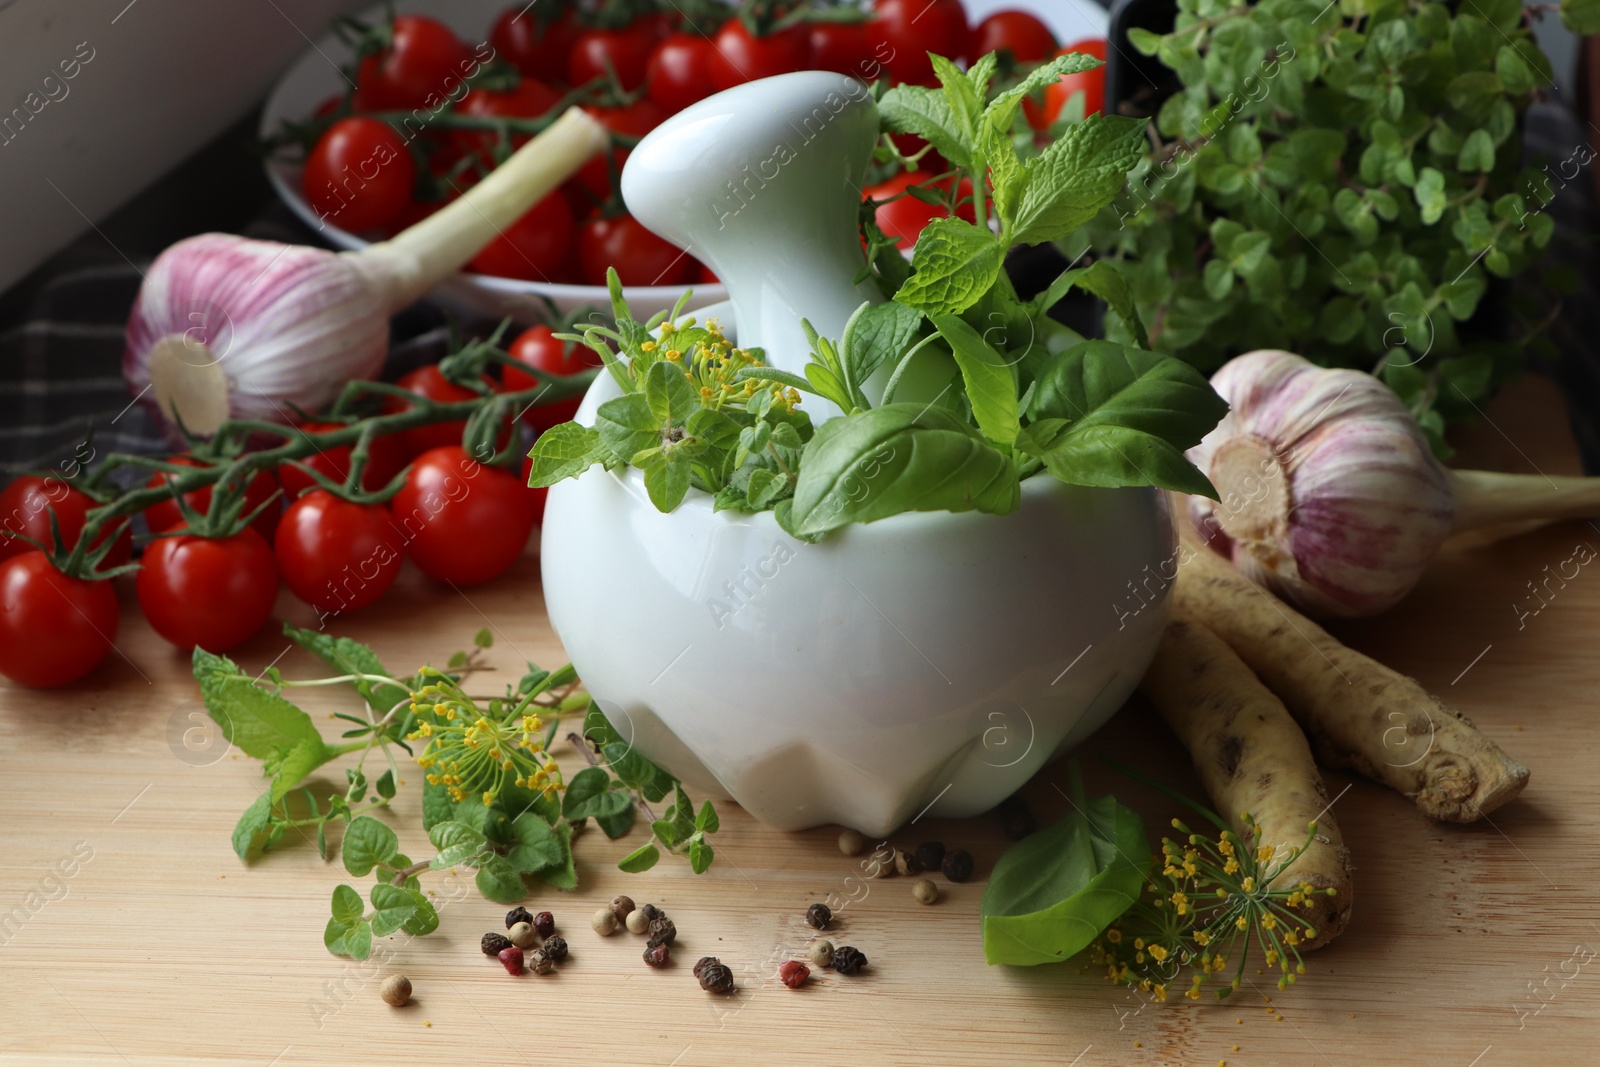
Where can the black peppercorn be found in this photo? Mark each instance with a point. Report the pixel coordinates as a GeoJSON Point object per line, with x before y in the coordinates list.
{"type": "Point", "coordinates": [555, 947]}
{"type": "Point", "coordinates": [620, 907]}
{"type": "Point", "coordinates": [703, 962]}
{"type": "Point", "coordinates": [658, 955]}
{"type": "Point", "coordinates": [847, 959]}
{"type": "Point", "coordinates": [544, 924]}
{"type": "Point", "coordinates": [715, 978]}
{"type": "Point", "coordinates": [493, 944]}
{"type": "Point", "coordinates": [958, 866]}
{"type": "Point", "coordinates": [650, 912]}
{"type": "Point", "coordinates": [818, 916]}
{"type": "Point", "coordinates": [663, 931]}
{"type": "Point", "coordinates": [1016, 821]}
{"type": "Point", "coordinates": [930, 854]}
{"type": "Point", "coordinates": [517, 915]}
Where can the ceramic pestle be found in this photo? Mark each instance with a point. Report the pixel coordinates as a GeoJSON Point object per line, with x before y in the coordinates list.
{"type": "Point", "coordinates": [763, 184]}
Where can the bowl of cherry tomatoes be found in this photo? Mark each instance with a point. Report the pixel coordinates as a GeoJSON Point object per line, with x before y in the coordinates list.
{"type": "Point", "coordinates": [380, 123]}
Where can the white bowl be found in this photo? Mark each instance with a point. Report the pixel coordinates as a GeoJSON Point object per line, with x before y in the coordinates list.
{"type": "Point", "coordinates": [315, 76]}
{"type": "Point", "coordinates": [926, 663]}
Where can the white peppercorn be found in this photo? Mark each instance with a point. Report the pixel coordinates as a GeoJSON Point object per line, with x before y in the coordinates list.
{"type": "Point", "coordinates": [396, 990]}
{"type": "Point", "coordinates": [637, 922]}
{"type": "Point", "coordinates": [522, 935]}
{"type": "Point", "coordinates": [925, 891]}
{"type": "Point", "coordinates": [604, 922]}
{"type": "Point", "coordinates": [851, 843]}
{"type": "Point", "coordinates": [821, 953]}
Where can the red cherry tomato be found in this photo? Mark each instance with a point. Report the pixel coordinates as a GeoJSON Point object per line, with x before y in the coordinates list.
{"type": "Point", "coordinates": [592, 186]}
{"type": "Point", "coordinates": [903, 219]}
{"type": "Point", "coordinates": [744, 57]}
{"type": "Point", "coordinates": [1024, 36]}
{"type": "Point", "coordinates": [25, 506]}
{"type": "Point", "coordinates": [705, 275]}
{"type": "Point", "coordinates": [385, 457]}
{"type": "Point", "coordinates": [463, 522]}
{"type": "Point", "coordinates": [215, 592]}
{"type": "Point", "coordinates": [360, 175]}
{"type": "Point", "coordinates": [536, 49]}
{"type": "Point", "coordinates": [541, 349]}
{"type": "Point", "coordinates": [335, 555]}
{"type": "Point", "coordinates": [853, 48]}
{"type": "Point", "coordinates": [677, 74]}
{"type": "Point", "coordinates": [1091, 83]}
{"type": "Point", "coordinates": [530, 99]}
{"type": "Point", "coordinates": [425, 65]}
{"type": "Point", "coordinates": [641, 258]}
{"type": "Point", "coordinates": [535, 247]}
{"type": "Point", "coordinates": [913, 28]}
{"type": "Point", "coordinates": [599, 53]}
{"type": "Point", "coordinates": [657, 25]}
{"type": "Point", "coordinates": [166, 514]}
{"type": "Point", "coordinates": [53, 629]}
{"type": "Point", "coordinates": [430, 382]}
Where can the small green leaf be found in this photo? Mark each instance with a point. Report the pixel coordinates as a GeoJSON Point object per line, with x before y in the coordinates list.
{"type": "Point", "coordinates": [1477, 152]}
{"type": "Point", "coordinates": [385, 785]}
{"type": "Point", "coordinates": [346, 906]}
{"type": "Point", "coordinates": [261, 724]}
{"type": "Point", "coordinates": [353, 940]}
{"type": "Point", "coordinates": [954, 264]}
{"type": "Point", "coordinates": [367, 843]}
{"type": "Point", "coordinates": [1002, 110]}
{"type": "Point", "coordinates": [564, 874]}
{"type": "Point", "coordinates": [700, 854]}
{"type": "Point", "coordinates": [640, 859]}
{"type": "Point", "coordinates": [627, 426]}
{"type": "Point", "coordinates": [926, 113]}
{"type": "Point", "coordinates": [564, 451]}
{"type": "Point", "coordinates": [668, 392]}
{"type": "Point", "coordinates": [455, 842]}
{"type": "Point", "coordinates": [250, 831]}
{"type": "Point", "coordinates": [348, 656]}
{"type": "Point", "coordinates": [393, 907]}
{"type": "Point", "coordinates": [424, 918]}
{"type": "Point", "coordinates": [499, 881]}
{"type": "Point", "coordinates": [876, 334]}
{"type": "Point", "coordinates": [991, 384]}
{"type": "Point", "coordinates": [707, 821]}
{"type": "Point", "coordinates": [537, 847]}
{"type": "Point", "coordinates": [1069, 182]}
{"type": "Point", "coordinates": [1582, 17]}
{"type": "Point", "coordinates": [667, 480]}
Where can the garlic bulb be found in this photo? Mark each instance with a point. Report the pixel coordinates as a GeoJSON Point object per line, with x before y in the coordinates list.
{"type": "Point", "coordinates": [1329, 493]}
{"type": "Point", "coordinates": [226, 327]}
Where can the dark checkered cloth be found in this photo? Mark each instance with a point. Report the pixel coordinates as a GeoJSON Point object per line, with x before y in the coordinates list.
{"type": "Point", "coordinates": [61, 329]}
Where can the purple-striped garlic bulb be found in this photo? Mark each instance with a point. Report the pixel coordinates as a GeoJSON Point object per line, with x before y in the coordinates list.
{"type": "Point", "coordinates": [227, 327]}
{"type": "Point", "coordinates": [1330, 495]}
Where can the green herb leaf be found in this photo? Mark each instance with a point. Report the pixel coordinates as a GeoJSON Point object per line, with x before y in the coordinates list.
{"type": "Point", "coordinates": [991, 383]}
{"type": "Point", "coordinates": [589, 796]}
{"type": "Point", "coordinates": [346, 906]}
{"type": "Point", "coordinates": [1002, 111]}
{"type": "Point", "coordinates": [537, 847]}
{"type": "Point", "coordinates": [1582, 17]}
{"type": "Point", "coordinates": [564, 451]}
{"type": "Point", "coordinates": [640, 859]}
{"type": "Point", "coordinates": [353, 940]}
{"type": "Point", "coordinates": [928, 114]}
{"type": "Point", "coordinates": [424, 918]}
{"type": "Point", "coordinates": [627, 426]}
{"type": "Point", "coordinates": [499, 881]}
{"type": "Point", "coordinates": [875, 335]}
{"type": "Point", "coordinates": [668, 392]}
{"type": "Point", "coordinates": [385, 785]}
{"type": "Point", "coordinates": [261, 724]}
{"type": "Point", "coordinates": [563, 874]}
{"type": "Point", "coordinates": [1105, 280]}
{"type": "Point", "coordinates": [455, 842]}
{"type": "Point", "coordinates": [954, 264]}
{"type": "Point", "coordinates": [1069, 182]}
{"type": "Point", "coordinates": [250, 831]}
{"type": "Point", "coordinates": [1053, 892]}
{"type": "Point", "coordinates": [707, 821]}
{"type": "Point", "coordinates": [348, 656]}
{"type": "Point", "coordinates": [367, 843]}
{"type": "Point", "coordinates": [898, 458]}
{"type": "Point", "coordinates": [1098, 383]}
{"type": "Point", "coordinates": [393, 907]}
{"type": "Point", "coordinates": [700, 854]}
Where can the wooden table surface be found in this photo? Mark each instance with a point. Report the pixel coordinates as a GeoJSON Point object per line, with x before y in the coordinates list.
{"type": "Point", "coordinates": [1469, 945]}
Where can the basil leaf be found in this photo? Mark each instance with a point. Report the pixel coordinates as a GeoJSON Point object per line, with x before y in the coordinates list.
{"type": "Point", "coordinates": [367, 843]}
{"type": "Point", "coordinates": [991, 384]}
{"type": "Point", "coordinates": [1070, 181]}
{"type": "Point", "coordinates": [393, 907]}
{"type": "Point", "coordinates": [1053, 892]}
{"type": "Point", "coordinates": [1110, 457]}
{"type": "Point", "coordinates": [926, 113]}
{"type": "Point", "coordinates": [954, 264]}
{"type": "Point", "coordinates": [898, 458]}
{"type": "Point", "coordinates": [876, 334]}
{"type": "Point", "coordinates": [1107, 282]}
{"type": "Point", "coordinates": [564, 451]}
{"type": "Point", "coordinates": [1099, 383]}
{"type": "Point", "coordinates": [350, 657]}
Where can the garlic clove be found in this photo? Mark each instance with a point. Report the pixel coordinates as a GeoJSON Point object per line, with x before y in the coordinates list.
{"type": "Point", "coordinates": [1330, 495]}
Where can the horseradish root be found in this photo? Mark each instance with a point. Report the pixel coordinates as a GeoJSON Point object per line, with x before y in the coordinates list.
{"type": "Point", "coordinates": [1356, 712]}
{"type": "Point", "coordinates": [1251, 757]}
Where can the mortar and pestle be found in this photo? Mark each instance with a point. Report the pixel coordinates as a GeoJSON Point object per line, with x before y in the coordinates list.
{"type": "Point", "coordinates": [925, 664]}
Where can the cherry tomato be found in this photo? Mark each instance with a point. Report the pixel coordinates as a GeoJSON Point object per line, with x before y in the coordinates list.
{"type": "Point", "coordinates": [535, 247]}
{"type": "Point", "coordinates": [360, 175]}
{"type": "Point", "coordinates": [848, 48]}
{"type": "Point", "coordinates": [425, 64]}
{"type": "Point", "coordinates": [641, 258]}
{"type": "Point", "coordinates": [335, 555]}
{"type": "Point", "coordinates": [534, 48]}
{"type": "Point", "coordinates": [657, 25]}
{"type": "Point", "coordinates": [463, 522]}
{"type": "Point", "coordinates": [215, 592]}
{"type": "Point", "coordinates": [385, 457]}
{"type": "Point", "coordinates": [1092, 83]}
{"type": "Point", "coordinates": [530, 99]}
{"type": "Point", "coordinates": [430, 382]}
{"type": "Point", "coordinates": [705, 275]}
{"type": "Point", "coordinates": [1027, 39]}
{"type": "Point", "coordinates": [904, 219]}
{"type": "Point", "coordinates": [25, 507]}
{"type": "Point", "coordinates": [598, 53]}
{"type": "Point", "coordinates": [166, 514]}
{"type": "Point", "coordinates": [53, 629]}
{"type": "Point", "coordinates": [676, 76]}
{"type": "Point", "coordinates": [744, 57]}
{"type": "Point", "coordinates": [913, 28]}
{"type": "Point", "coordinates": [541, 349]}
{"type": "Point", "coordinates": [592, 186]}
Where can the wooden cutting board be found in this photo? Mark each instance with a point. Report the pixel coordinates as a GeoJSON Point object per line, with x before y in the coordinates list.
{"type": "Point", "coordinates": [1470, 945]}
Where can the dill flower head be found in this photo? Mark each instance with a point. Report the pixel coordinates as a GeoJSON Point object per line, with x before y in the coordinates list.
{"type": "Point", "coordinates": [478, 752]}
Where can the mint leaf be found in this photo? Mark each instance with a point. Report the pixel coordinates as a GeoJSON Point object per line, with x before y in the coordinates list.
{"type": "Point", "coordinates": [1582, 17]}
{"type": "Point", "coordinates": [963, 94]}
{"type": "Point", "coordinates": [640, 859]}
{"type": "Point", "coordinates": [898, 458]}
{"type": "Point", "coordinates": [536, 847]}
{"type": "Point", "coordinates": [260, 723]}
{"type": "Point", "coordinates": [353, 939]}
{"type": "Point", "coordinates": [991, 384]}
{"type": "Point", "coordinates": [955, 263]}
{"type": "Point", "coordinates": [564, 451]}
{"type": "Point", "coordinates": [1002, 111]}
{"type": "Point", "coordinates": [350, 657]}
{"type": "Point", "coordinates": [367, 843]}
{"type": "Point", "coordinates": [249, 831]}
{"type": "Point", "coordinates": [499, 881]}
{"type": "Point", "coordinates": [393, 907]}
{"type": "Point", "coordinates": [1070, 181]}
{"type": "Point", "coordinates": [926, 113]}
{"type": "Point", "coordinates": [289, 768]}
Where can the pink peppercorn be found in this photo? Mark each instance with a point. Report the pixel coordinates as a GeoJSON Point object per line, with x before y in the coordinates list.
{"type": "Point", "coordinates": [512, 958]}
{"type": "Point", "coordinates": [793, 973]}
